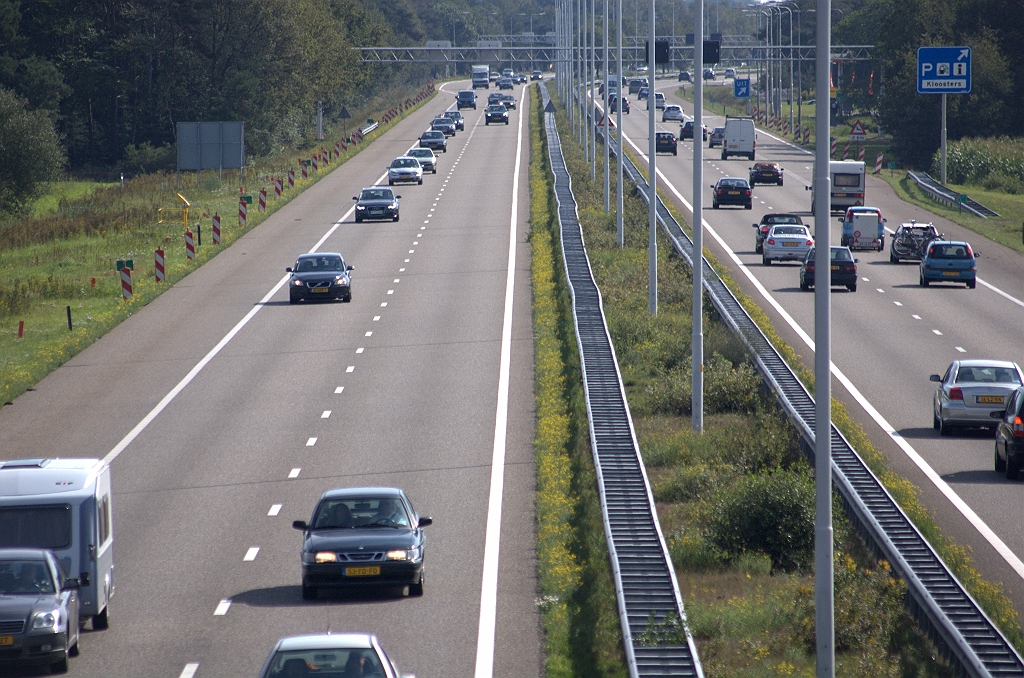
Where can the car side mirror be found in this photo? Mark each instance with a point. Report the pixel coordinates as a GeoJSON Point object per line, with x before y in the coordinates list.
{"type": "Point", "coordinates": [70, 584]}
{"type": "Point", "coordinates": [300, 525]}
{"type": "Point", "coordinates": [997, 415]}
{"type": "Point", "coordinates": [355, 198]}
{"type": "Point", "coordinates": [977, 254]}
{"type": "Point", "coordinates": [426, 520]}
{"type": "Point", "coordinates": [935, 377]}
{"type": "Point", "coordinates": [712, 185]}
{"type": "Point", "coordinates": [754, 225]}
{"type": "Point", "coordinates": [288, 269]}
{"type": "Point", "coordinates": [350, 267]}
{"type": "Point", "coordinates": [398, 197]}
{"type": "Point", "coordinates": [841, 220]}
{"type": "Point", "coordinates": [885, 221]}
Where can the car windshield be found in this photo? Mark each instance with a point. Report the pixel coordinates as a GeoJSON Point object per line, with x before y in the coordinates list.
{"type": "Point", "coordinates": [405, 162]}
{"type": "Point", "coordinates": [783, 219]}
{"type": "Point", "coordinates": [442, 122]}
{"type": "Point", "coordinates": [764, 166]}
{"type": "Point", "coordinates": [377, 194]}
{"type": "Point", "coordinates": [325, 662]}
{"type": "Point", "coordinates": [432, 135]}
{"type": "Point", "coordinates": [732, 183]}
{"type": "Point", "coordinates": [841, 254]}
{"type": "Point", "coordinates": [452, 115]}
{"type": "Point", "coordinates": [319, 264]}
{"type": "Point", "coordinates": [497, 108]}
{"type": "Point", "coordinates": [718, 130]}
{"type": "Point", "coordinates": [25, 577]}
{"type": "Point", "coordinates": [358, 512]}
{"type": "Point", "coordinates": [987, 374]}
{"type": "Point", "coordinates": [948, 252]}
{"type": "Point", "coordinates": [789, 230]}
{"type": "Point", "coordinates": [421, 153]}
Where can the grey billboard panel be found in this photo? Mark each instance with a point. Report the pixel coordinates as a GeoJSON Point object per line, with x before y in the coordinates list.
{"type": "Point", "coordinates": [211, 145]}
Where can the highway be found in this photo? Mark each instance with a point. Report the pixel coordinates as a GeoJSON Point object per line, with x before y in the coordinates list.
{"type": "Point", "coordinates": [887, 338]}
{"type": "Point", "coordinates": [225, 413]}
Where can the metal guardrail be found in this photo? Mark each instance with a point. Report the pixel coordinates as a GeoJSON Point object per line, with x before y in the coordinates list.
{"type": "Point", "coordinates": [645, 581]}
{"type": "Point", "coordinates": [369, 127]}
{"type": "Point", "coordinates": [939, 192]}
{"type": "Point", "coordinates": [939, 602]}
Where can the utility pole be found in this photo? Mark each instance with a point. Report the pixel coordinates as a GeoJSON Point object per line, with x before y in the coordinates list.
{"type": "Point", "coordinates": [652, 180]}
{"type": "Point", "coordinates": [697, 324]}
{"type": "Point", "coordinates": [619, 229]}
{"type": "Point", "coordinates": [604, 105]}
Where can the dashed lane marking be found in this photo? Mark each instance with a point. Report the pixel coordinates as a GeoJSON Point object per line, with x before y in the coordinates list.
{"type": "Point", "coordinates": [250, 555]}
{"type": "Point", "coordinates": [222, 608]}
{"type": "Point", "coordinates": [294, 473]}
{"type": "Point", "coordinates": [190, 670]}
{"type": "Point", "coordinates": [274, 509]}
{"type": "Point", "coordinates": [310, 442]}
{"type": "Point", "coordinates": [326, 414]}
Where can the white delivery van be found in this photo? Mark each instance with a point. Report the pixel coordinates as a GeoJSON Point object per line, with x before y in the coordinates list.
{"type": "Point", "coordinates": [481, 77]}
{"type": "Point", "coordinates": [63, 505]}
{"type": "Point", "coordinates": [740, 137]}
{"type": "Point", "coordinates": [847, 185]}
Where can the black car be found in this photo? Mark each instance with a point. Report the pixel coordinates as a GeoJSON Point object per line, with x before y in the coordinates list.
{"type": "Point", "coordinates": [496, 113]}
{"type": "Point", "coordinates": [536, 75]}
{"type": "Point", "coordinates": [323, 275]}
{"type": "Point", "coordinates": [766, 173]}
{"type": "Point", "coordinates": [377, 202]}
{"type": "Point", "coordinates": [613, 103]}
{"type": "Point", "coordinates": [445, 125]}
{"type": "Point", "coordinates": [365, 536]}
{"type": "Point", "coordinates": [39, 610]}
{"type": "Point", "coordinates": [769, 220]}
{"type": "Point", "coordinates": [843, 269]}
{"type": "Point", "coordinates": [509, 101]}
{"type": "Point", "coordinates": [456, 117]}
{"type": "Point", "coordinates": [435, 140]}
{"type": "Point", "coordinates": [665, 142]}
{"type": "Point", "coordinates": [465, 99]}
{"type": "Point", "coordinates": [1010, 436]}
{"type": "Point", "coordinates": [685, 76]}
{"type": "Point", "coordinates": [732, 191]}
{"type": "Point", "coordinates": [494, 98]}
{"type": "Point", "coordinates": [505, 83]}
{"type": "Point", "coordinates": [686, 131]}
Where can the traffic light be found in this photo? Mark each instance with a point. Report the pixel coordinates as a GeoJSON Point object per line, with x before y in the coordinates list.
{"type": "Point", "coordinates": [662, 51]}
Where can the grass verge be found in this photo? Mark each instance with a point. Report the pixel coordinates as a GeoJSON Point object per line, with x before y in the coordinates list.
{"type": "Point", "coordinates": [577, 596]}
{"type": "Point", "coordinates": [64, 256]}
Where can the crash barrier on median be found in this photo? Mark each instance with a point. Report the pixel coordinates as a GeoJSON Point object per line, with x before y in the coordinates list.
{"type": "Point", "coordinates": [940, 193]}
{"type": "Point", "coordinates": [648, 594]}
{"type": "Point", "coordinates": [938, 600]}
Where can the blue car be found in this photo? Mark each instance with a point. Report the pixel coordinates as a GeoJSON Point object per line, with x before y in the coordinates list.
{"type": "Point", "coordinates": [949, 261]}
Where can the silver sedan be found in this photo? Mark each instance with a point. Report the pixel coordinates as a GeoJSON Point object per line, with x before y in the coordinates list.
{"type": "Point", "coordinates": [788, 242]}
{"type": "Point", "coordinates": [971, 390]}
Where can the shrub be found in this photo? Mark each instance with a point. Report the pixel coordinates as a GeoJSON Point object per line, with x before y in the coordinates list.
{"type": "Point", "coordinates": [772, 514]}
{"type": "Point", "coordinates": [30, 153]}
{"type": "Point", "coordinates": [145, 158]}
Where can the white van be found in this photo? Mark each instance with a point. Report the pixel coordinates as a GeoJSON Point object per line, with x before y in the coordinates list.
{"type": "Point", "coordinates": [63, 505]}
{"type": "Point", "coordinates": [848, 183]}
{"type": "Point", "coordinates": [481, 77]}
{"type": "Point", "coordinates": [739, 138]}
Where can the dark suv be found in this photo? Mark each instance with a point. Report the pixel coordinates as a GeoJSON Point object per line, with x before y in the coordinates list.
{"type": "Point", "coordinates": [466, 99]}
{"type": "Point", "coordinates": [769, 220]}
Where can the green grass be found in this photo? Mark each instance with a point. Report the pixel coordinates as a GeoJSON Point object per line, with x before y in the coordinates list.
{"type": "Point", "coordinates": [1004, 229]}
{"type": "Point", "coordinates": [50, 258]}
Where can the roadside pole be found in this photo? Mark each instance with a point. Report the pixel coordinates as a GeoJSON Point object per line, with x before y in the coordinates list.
{"type": "Point", "coordinates": [697, 340]}
{"type": "Point", "coordinates": [619, 228]}
{"type": "Point", "coordinates": [824, 599]}
{"type": "Point", "coordinates": [942, 141]}
{"type": "Point", "coordinates": [604, 105]}
{"type": "Point", "coordinates": [652, 180]}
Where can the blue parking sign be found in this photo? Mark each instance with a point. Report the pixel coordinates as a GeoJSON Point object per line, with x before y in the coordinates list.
{"type": "Point", "coordinates": [741, 88]}
{"type": "Point", "coordinates": [943, 70]}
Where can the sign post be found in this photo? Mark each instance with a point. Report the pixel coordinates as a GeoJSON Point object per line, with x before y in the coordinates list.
{"type": "Point", "coordinates": [943, 70]}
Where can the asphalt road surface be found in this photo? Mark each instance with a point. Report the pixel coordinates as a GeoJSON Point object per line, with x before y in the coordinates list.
{"type": "Point", "coordinates": [424, 381]}
{"type": "Point", "coordinates": [887, 338]}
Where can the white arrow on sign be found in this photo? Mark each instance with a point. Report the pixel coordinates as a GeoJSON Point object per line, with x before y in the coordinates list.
{"type": "Point", "coordinates": [963, 54]}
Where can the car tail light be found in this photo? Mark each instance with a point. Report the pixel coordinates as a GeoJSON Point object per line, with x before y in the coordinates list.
{"type": "Point", "coordinates": [956, 393]}
{"type": "Point", "coordinates": [809, 268]}
{"type": "Point", "coordinates": [1017, 427]}
{"type": "Point", "coordinates": [746, 191]}
{"type": "Point", "coordinates": [809, 243]}
{"type": "Point", "coordinates": [764, 229]}
{"type": "Point", "coordinates": [771, 241]}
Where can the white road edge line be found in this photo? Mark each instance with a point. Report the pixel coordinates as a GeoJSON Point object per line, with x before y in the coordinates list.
{"type": "Point", "coordinates": [489, 587]}
{"type": "Point", "coordinates": [189, 670]}
{"type": "Point", "coordinates": [180, 386]}
{"type": "Point", "coordinates": [980, 525]}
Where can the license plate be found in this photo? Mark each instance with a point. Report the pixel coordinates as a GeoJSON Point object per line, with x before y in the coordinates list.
{"type": "Point", "coordinates": [6, 640]}
{"type": "Point", "coordinates": [835, 268]}
{"type": "Point", "coordinates": [990, 399]}
{"type": "Point", "coordinates": [376, 212]}
{"type": "Point", "coordinates": [838, 195]}
{"type": "Point", "coordinates": [952, 274]}
{"type": "Point", "coordinates": [734, 192]}
{"type": "Point", "coordinates": [362, 571]}
{"type": "Point", "coordinates": [319, 290]}
{"type": "Point", "coordinates": [790, 244]}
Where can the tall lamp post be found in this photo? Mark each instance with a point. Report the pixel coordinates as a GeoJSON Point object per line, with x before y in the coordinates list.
{"type": "Point", "coordinates": [785, 7]}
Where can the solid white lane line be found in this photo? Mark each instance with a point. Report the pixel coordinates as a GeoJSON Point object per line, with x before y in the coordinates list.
{"type": "Point", "coordinates": [222, 608]}
{"type": "Point", "coordinates": [340, 389]}
{"type": "Point", "coordinates": [986, 532]}
{"type": "Point", "coordinates": [489, 587]}
{"type": "Point", "coordinates": [310, 442]}
{"type": "Point", "coordinates": [294, 473]}
{"type": "Point", "coordinates": [326, 414]}
{"type": "Point", "coordinates": [250, 555]}
{"type": "Point", "coordinates": [274, 509]}
{"type": "Point", "coordinates": [190, 670]}
{"type": "Point", "coordinates": [350, 368]}
{"type": "Point", "coordinates": [180, 386]}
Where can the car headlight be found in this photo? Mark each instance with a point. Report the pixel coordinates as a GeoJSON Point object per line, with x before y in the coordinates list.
{"type": "Point", "coordinates": [412, 554]}
{"type": "Point", "coordinates": [393, 206]}
{"type": "Point", "coordinates": [297, 283]}
{"type": "Point", "coordinates": [326, 557]}
{"type": "Point", "coordinates": [360, 207]}
{"type": "Point", "coordinates": [46, 620]}
{"type": "Point", "coordinates": [340, 280]}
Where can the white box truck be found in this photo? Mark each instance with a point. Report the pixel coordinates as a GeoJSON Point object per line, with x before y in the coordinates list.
{"type": "Point", "coordinates": [740, 138]}
{"type": "Point", "coordinates": [481, 77]}
{"type": "Point", "coordinates": [63, 505]}
{"type": "Point", "coordinates": [847, 180]}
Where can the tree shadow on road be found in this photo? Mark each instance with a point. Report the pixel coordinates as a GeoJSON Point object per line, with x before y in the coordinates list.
{"type": "Point", "coordinates": [291, 596]}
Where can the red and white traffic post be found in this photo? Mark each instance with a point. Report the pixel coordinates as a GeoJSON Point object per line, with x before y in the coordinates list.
{"type": "Point", "coordinates": [291, 178]}
{"type": "Point", "coordinates": [878, 164]}
{"type": "Point", "coordinates": [846, 149]}
{"type": "Point", "coordinates": [190, 245]}
{"type": "Point", "coordinates": [158, 265]}
{"type": "Point", "coordinates": [216, 229]}
{"type": "Point", "coordinates": [278, 187]}
{"type": "Point", "coordinates": [860, 154]}
{"type": "Point", "coordinates": [263, 200]}
{"type": "Point", "coordinates": [305, 172]}
{"type": "Point", "coordinates": [126, 283]}
{"type": "Point", "coordinates": [242, 212]}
